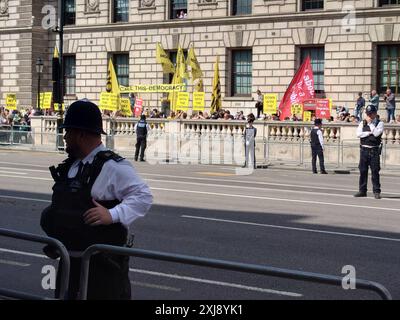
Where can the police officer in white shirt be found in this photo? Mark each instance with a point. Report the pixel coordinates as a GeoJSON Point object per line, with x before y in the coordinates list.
{"type": "Point", "coordinates": [250, 134]}
{"type": "Point", "coordinates": [370, 133]}
{"type": "Point", "coordinates": [96, 196]}
{"type": "Point", "coordinates": [317, 147]}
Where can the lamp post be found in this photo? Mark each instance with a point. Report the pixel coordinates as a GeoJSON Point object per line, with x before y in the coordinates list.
{"type": "Point", "coordinates": [39, 70]}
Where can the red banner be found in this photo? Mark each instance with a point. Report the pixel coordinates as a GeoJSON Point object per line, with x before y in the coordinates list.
{"type": "Point", "coordinates": [322, 110]}
{"type": "Point", "coordinates": [300, 89]}
{"type": "Point", "coordinates": [138, 107]}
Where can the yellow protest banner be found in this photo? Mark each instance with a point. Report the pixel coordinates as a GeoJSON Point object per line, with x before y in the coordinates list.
{"type": "Point", "coordinates": [330, 104]}
{"type": "Point", "coordinates": [11, 101]}
{"type": "Point", "coordinates": [56, 107]}
{"type": "Point", "coordinates": [270, 103]}
{"type": "Point", "coordinates": [126, 107]}
{"type": "Point", "coordinates": [154, 88]}
{"type": "Point", "coordinates": [108, 101]}
{"type": "Point", "coordinates": [307, 116]}
{"type": "Point", "coordinates": [45, 100]}
{"type": "Point", "coordinates": [296, 108]}
{"type": "Point", "coordinates": [183, 101]}
{"type": "Point", "coordinates": [198, 101]}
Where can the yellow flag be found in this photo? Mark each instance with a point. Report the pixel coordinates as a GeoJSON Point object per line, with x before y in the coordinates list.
{"type": "Point", "coordinates": [199, 87]}
{"type": "Point", "coordinates": [181, 64]}
{"type": "Point", "coordinates": [112, 80]}
{"type": "Point", "coordinates": [173, 96]}
{"type": "Point", "coordinates": [216, 93]}
{"type": "Point", "coordinates": [194, 64]}
{"type": "Point", "coordinates": [164, 60]}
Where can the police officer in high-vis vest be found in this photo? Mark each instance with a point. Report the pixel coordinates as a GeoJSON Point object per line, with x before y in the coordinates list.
{"type": "Point", "coordinates": [370, 133]}
{"type": "Point", "coordinates": [142, 128]}
{"type": "Point", "coordinates": [96, 196]}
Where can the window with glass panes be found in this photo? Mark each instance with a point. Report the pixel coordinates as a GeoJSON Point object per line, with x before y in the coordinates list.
{"type": "Point", "coordinates": [389, 68]}
{"type": "Point", "coordinates": [121, 10]}
{"type": "Point", "coordinates": [178, 9]}
{"type": "Point", "coordinates": [388, 2]}
{"type": "Point", "coordinates": [69, 75]}
{"type": "Point", "coordinates": [121, 66]}
{"type": "Point", "coordinates": [242, 66]}
{"type": "Point", "coordinates": [69, 12]}
{"type": "Point", "coordinates": [241, 7]}
{"type": "Point", "coordinates": [317, 55]}
{"type": "Point", "coordinates": [312, 4]}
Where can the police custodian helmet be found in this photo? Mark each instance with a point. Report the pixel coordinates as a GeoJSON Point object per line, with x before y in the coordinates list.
{"type": "Point", "coordinates": [371, 109]}
{"type": "Point", "coordinates": [84, 115]}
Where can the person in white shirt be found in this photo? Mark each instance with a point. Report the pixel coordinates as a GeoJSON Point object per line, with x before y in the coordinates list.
{"type": "Point", "coordinates": [96, 197]}
{"type": "Point", "coordinates": [370, 133]}
{"type": "Point", "coordinates": [250, 134]}
{"type": "Point", "coordinates": [317, 147]}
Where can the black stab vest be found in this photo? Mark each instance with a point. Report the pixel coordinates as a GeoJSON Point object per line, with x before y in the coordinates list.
{"type": "Point", "coordinates": [314, 139]}
{"type": "Point", "coordinates": [141, 129]}
{"type": "Point", "coordinates": [71, 198]}
{"type": "Point", "coordinates": [371, 140]}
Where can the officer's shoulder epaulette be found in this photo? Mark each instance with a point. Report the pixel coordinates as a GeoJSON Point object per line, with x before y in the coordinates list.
{"type": "Point", "coordinates": [109, 155]}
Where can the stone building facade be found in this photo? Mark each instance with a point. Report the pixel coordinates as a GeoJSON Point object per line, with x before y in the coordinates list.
{"type": "Point", "coordinates": [354, 45]}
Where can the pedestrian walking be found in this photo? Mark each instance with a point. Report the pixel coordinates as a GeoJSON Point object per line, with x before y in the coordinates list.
{"type": "Point", "coordinates": [142, 128]}
{"type": "Point", "coordinates": [370, 133]}
{"type": "Point", "coordinates": [250, 134]}
{"type": "Point", "coordinates": [96, 196]}
{"type": "Point", "coordinates": [317, 147]}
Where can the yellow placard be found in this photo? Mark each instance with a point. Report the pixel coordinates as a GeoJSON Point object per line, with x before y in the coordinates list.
{"type": "Point", "coordinates": [270, 103]}
{"type": "Point", "coordinates": [183, 101]}
{"type": "Point", "coordinates": [198, 101]}
{"type": "Point", "coordinates": [11, 101]}
{"type": "Point", "coordinates": [56, 107]}
{"type": "Point", "coordinates": [330, 104]}
{"type": "Point", "coordinates": [307, 116]}
{"type": "Point", "coordinates": [153, 88]}
{"type": "Point", "coordinates": [126, 107]}
{"type": "Point", "coordinates": [108, 101]}
{"type": "Point", "coordinates": [296, 109]}
{"type": "Point", "coordinates": [45, 100]}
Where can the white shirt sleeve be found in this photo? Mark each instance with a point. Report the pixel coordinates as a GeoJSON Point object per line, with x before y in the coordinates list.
{"type": "Point", "coordinates": [360, 132]}
{"type": "Point", "coordinates": [378, 130]}
{"type": "Point", "coordinates": [321, 138]}
{"type": "Point", "coordinates": [120, 181]}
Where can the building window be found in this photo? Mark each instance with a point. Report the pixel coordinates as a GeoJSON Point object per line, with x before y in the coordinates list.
{"type": "Point", "coordinates": [69, 12]}
{"type": "Point", "coordinates": [312, 4]}
{"type": "Point", "coordinates": [69, 75]}
{"type": "Point", "coordinates": [389, 3]}
{"type": "Point", "coordinates": [317, 55]}
{"type": "Point", "coordinates": [242, 66]}
{"type": "Point", "coordinates": [121, 66]}
{"type": "Point", "coordinates": [389, 68]}
{"type": "Point", "coordinates": [241, 7]}
{"type": "Point", "coordinates": [178, 9]}
{"type": "Point", "coordinates": [121, 11]}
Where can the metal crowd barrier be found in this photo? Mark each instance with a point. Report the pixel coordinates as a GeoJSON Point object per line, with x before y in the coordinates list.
{"type": "Point", "coordinates": [64, 279]}
{"type": "Point", "coordinates": [225, 265]}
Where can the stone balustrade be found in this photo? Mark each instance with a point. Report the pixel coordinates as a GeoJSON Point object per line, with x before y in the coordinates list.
{"type": "Point", "coordinates": [222, 142]}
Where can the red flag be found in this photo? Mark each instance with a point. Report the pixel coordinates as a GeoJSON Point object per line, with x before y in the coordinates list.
{"type": "Point", "coordinates": [300, 89]}
{"type": "Point", "coordinates": [322, 111]}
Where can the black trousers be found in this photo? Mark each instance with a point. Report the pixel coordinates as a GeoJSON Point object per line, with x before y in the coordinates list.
{"type": "Point", "coordinates": [108, 278]}
{"type": "Point", "coordinates": [317, 151]}
{"type": "Point", "coordinates": [141, 144]}
{"type": "Point", "coordinates": [369, 158]}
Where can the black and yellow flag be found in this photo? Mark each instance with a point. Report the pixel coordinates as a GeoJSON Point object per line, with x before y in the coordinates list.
{"type": "Point", "coordinates": [216, 93]}
{"type": "Point", "coordinates": [56, 77]}
{"type": "Point", "coordinates": [163, 59]}
{"type": "Point", "coordinates": [194, 64]}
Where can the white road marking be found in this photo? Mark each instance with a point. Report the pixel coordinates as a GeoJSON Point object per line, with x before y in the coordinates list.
{"type": "Point", "coordinates": [256, 182]}
{"type": "Point", "coordinates": [14, 263]}
{"type": "Point", "coordinates": [27, 199]}
{"type": "Point", "coordinates": [277, 199]}
{"type": "Point", "coordinates": [292, 228]}
{"type": "Point", "coordinates": [23, 164]}
{"type": "Point", "coordinates": [30, 170]}
{"type": "Point", "coordinates": [17, 173]}
{"type": "Point", "coordinates": [30, 178]}
{"type": "Point", "coordinates": [260, 189]}
{"type": "Point", "coordinates": [218, 283]}
{"type": "Point", "coordinates": [175, 276]}
{"type": "Point", "coordinates": [155, 286]}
